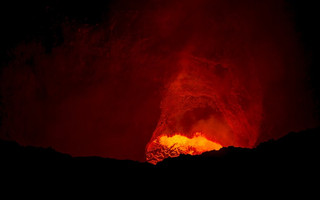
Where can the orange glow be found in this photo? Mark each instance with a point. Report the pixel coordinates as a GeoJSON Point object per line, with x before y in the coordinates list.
{"type": "Point", "coordinates": [173, 146]}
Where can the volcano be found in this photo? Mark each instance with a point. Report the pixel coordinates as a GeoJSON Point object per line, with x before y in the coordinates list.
{"type": "Point", "coordinates": [152, 80]}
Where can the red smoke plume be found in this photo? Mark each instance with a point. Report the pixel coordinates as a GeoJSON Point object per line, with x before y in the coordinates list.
{"type": "Point", "coordinates": [232, 70]}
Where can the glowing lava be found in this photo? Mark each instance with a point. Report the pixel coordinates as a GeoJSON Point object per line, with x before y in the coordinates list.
{"type": "Point", "coordinates": [173, 146]}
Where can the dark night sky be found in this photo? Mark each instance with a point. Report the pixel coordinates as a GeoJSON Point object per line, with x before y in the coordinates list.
{"type": "Point", "coordinates": [88, 78]}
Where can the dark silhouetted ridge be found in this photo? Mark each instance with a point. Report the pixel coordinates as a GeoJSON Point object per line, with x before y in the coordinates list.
{"type": "Point", "coordinates": [295, 153]}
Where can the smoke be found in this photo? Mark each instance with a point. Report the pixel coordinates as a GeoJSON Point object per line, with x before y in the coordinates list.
{"type": "Point", "coordinates": [233, 70]}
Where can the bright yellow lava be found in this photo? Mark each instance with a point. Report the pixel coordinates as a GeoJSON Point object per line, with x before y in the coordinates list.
{"type": "Point", "coordinates": [193, 146]}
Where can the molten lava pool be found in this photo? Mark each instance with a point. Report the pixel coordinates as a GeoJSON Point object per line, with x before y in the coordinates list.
{"type": "Point", "coordinates": [172, 146]}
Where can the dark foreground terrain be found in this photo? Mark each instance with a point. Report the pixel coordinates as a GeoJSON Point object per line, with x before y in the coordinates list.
{"type": "Point", "coordinates": [294, 156]}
